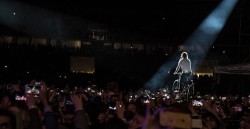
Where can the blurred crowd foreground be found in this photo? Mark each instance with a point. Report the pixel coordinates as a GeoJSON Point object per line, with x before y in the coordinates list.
{"type": "Point", "coordinates": [40, 106]}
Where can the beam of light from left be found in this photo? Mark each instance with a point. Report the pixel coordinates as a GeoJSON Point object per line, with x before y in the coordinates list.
{"type": "Point", "coordinates": [37, 21]}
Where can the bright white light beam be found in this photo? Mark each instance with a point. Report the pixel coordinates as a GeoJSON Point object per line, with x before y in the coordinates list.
{"type": "Point", "coordinates": [202, 38]}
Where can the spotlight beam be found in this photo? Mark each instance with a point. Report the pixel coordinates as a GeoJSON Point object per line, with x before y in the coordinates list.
{"type": "Point", "coordinates": [40, 22]}
{"type": "Point", "coordinates": [205, 35]}
{"type": "Point", "coordinates": [202, 39]}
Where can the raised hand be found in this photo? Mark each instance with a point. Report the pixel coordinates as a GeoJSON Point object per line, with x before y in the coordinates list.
{"type": "Point", "coordinates": [120, 109]}
{"type": "Point", "coordinates": [77, 100]}
{"type": "Point", "coordinates": [52, 94]}
{"type": "Point", "coordinates": [84, 97]}
{"type": "Point", "coordinates": [192, 109]}
{"type": "Point", "coordinates": [43, 94]}
{"type": "Point", "coordinates": [30, 101]}
{"type": "Point", "coordinates": [149, 122]}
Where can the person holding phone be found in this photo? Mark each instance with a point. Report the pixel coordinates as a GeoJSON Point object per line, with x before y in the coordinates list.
{"type": "Point", "coordinates": [50, 117]}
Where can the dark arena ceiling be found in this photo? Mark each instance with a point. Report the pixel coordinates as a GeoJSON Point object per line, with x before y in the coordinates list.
{"type": "Point", "coordinates": [172, 22]}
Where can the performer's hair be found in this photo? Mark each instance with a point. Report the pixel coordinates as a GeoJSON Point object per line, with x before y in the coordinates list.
{"type": "Point", "coordinates": [184, 55]}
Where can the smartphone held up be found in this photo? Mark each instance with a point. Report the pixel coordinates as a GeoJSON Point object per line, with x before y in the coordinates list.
{"type": "Point", "coordinates": [33, 89]}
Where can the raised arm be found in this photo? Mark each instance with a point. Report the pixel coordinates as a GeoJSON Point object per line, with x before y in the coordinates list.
{"type": "Point", "coordinates": [51, 118]}
{"type": "Point", "coordinates": [81, 121]}
{"type": "Point", "coordinates": [35, 121]}
{"type": "Point", "coordinates": [177, 68]}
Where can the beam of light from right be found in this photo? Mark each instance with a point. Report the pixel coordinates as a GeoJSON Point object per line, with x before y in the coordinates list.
{"type": "Point", "coordinates": [205, 35]}
{"type": "Point", "coordinates": [202, 39]}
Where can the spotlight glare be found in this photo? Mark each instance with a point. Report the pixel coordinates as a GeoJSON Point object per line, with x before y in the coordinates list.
{"type": "Point", "coordinates": [201, 39]}
{"type": "Point", "coordinates": [204, 36]}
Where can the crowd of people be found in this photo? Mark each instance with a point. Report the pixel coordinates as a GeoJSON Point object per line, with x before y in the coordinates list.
{"type": "Point", "coordinates": [106, 100]}
{"type": "Point", "coordinates": [48, 107]}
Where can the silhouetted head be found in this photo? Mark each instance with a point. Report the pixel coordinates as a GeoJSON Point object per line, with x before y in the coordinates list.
{"type": "Point", "coordinates": [7, 119]}
{"type": "Point", "coordinates": [184, 55]}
